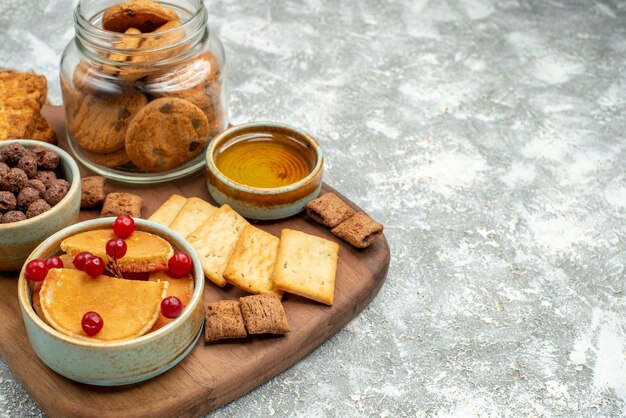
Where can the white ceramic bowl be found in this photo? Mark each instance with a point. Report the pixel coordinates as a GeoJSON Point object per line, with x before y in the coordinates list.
{"type": "Point", "coordinates": [123, 362]}
{"type": "Point", "coordinates": [18, 239]}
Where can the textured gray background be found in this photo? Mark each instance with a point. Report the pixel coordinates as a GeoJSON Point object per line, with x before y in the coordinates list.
{"type": "Point", "coordinates": [488, 136]}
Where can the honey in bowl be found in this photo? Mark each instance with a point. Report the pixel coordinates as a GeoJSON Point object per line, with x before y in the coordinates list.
{"type": "Point", "coordinates": [265, 159]}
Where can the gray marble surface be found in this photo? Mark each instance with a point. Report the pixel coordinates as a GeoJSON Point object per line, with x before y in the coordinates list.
{"type": "Point", "coordinates": [488, 136]}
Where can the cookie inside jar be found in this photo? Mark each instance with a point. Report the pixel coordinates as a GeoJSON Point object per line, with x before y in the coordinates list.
{"type": "Point", "coordinates": [143, 87]}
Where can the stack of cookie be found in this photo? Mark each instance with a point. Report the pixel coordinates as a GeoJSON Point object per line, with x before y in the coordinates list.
{"type": "Point", "coordinates": [156, 107]}
{"type": "Point", "coordinates": [21, 97]}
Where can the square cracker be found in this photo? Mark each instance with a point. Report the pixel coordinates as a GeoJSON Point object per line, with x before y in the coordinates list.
{"type": "Point", "coordinates": [360, 230]}
{"type": "Point", "coordinates": [166, 213]}
{"type": "Point", "coordinates": [252, 262]}
{"type": "Point", "coordinates": [264, 314]}
{"type": "Point", "coordinates": [306, 265]}
{"type": "Point", "coordinates": [215, 240]}
{"type": "Point", "coordinates": [223, 319]}
{"type": "Point", "coordinates": [329, 210]}
{"type": "Point", "coordinates": [194, 213]}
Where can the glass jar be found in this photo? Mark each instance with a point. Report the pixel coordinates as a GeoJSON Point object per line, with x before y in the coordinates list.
{"type": "Point", "coordinates": [142, 107]}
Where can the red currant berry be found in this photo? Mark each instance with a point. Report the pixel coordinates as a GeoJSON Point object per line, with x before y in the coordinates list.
{"type": "Point", "coordinates": [80, 260]}
{"type": "Point", "coordinates": [179, 264]}
{"type": "Point", "coordinates": [92, 323]}
{"type": "Point", "coordinates": [36, 270]}
{"type": "Point", "coordinates": [123, 226]}
{"type": "Point", "coordinates": [94, 266]}
{"type": "Point", "coordinates": [116, 248]}
{"type": "Point", "coordinates": [54, 262]}
{"type": "Point", "coordinates": [171, 307]}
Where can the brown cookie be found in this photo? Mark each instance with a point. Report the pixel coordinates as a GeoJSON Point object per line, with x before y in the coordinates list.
{"type": "Point", "coordinates": [116, 204]}
{"type": "Point", "coordinates": [166, 134]}
{"type": "Point", "coordinates": [71, 98]}
{"type": "Point", "coordinates": [126, 42]}
{"type": "Point", "coordinates": [111, 159]}
{"type": "Point", "coordinates": [28, 88]}
{"type": "Point", "coordinates": [264, 314]}
{"type": "Point", "coordinates": [216, 121]}
{"type": "Point", "coordinates": [198, 96]}
{"type": "Point", "coordinates": [210, 63]}
{"type": "Point", "coordinates": [194, 82]}
{"type": "Point", "coordinates": [100, 124]}
{"type": "Point", "coordinates": [195, 95]}
{"type": "Point", "coordinates": [43, 132]}
{"type": "Point", "coordinates": [141, 64]}
{"type": "Point", "coordinates": [100, 80]}
{"type": "Point", "coordinates": [223, 320]}
{"type": "Point", "coordinates": [141, 14]}
{"type": "Point", "coordinates": [196, 74]}
{"type": "Point", "coordinates": [21, 97]}
{"type": "Point", "coordinates": [92, 191]}
{"type": "Point", "coordinates": [329, 210]}
{"type": "Point", "coordinates": [360, 230]}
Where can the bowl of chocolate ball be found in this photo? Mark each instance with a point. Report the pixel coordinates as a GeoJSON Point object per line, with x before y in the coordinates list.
{"type": "Point", "coordinates": [39, 195]}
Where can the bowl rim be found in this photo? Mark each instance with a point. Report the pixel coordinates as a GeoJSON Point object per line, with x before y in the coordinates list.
{"type": "Point", "coordinates": [74, 185]}
{"type": "Point", "coordinates": [222, 137]}
{"type": "Point", "coordinates": [103, 223]}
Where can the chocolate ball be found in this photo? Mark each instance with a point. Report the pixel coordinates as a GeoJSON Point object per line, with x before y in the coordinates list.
{"type": "Point", "coordinates": [29, 153]}
{"type": "Point", "coordinates": [27, 196]}
{"type": "Point", "coordinates": [13, 216]}
{"type": "Point", "coordinates": [46, 177]}
{"type": "Point", "coordinates": [28, 164]}
{"type": "Point", "coordinates": [64, 182]}
{"type": "Point", "coordinates": [46, 159]}
{"type": "Point", "coordinates": [13, 181]}
{"type": "Point", "coordinates": [55, 192]}
{"type": "Point", "coordinates": [3, 169]}
{"type": "Point", "coordinates": [12, 153]}
{"type": "Point", "coordinates": [7, 201]}
{"type": "Point", "coordinates": [37, 185]}
{"type": "Point", "coordinates": [38, 207]}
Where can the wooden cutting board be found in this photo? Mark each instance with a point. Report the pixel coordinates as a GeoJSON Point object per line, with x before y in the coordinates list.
{"type": "Point", "coordinates": [212, 374]}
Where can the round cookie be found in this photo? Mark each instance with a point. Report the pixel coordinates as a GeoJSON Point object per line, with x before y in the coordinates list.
{"type": "Point", "coordinates": [204, 101]}
{"type": "Point", "coordinates": [126, 42]}
{"type": "Point", "coordinates": [137, 68]}
{"type": "Point", "coordinates": [195, 74]}
{"type": "Point", "coordinates": [100, 80]}
{"type": "Point", "coordinates": [110, 160]}
{"type": "Point", "coordinates": [216, 122]}
{"type": "Point", "coordinates": [140, 14]}
{"type": "Point", "coordinates": [166, 134]}
{"type": "Point", "coordinates": [71, 98]}
{"type": "Point", "coordinates": [214, 70]}
{"type": "Point", "coordinates": [195, 95]}
{"type": "Point", "coordinates": [188, 81]}
{"type": "Point", "coordinates": [100, 124]}
{"type": "Point", "coordinates": [195, 82]}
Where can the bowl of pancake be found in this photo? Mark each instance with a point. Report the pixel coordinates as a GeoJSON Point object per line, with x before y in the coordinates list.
{"type": "Point", "coordinates": [137, 342]}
